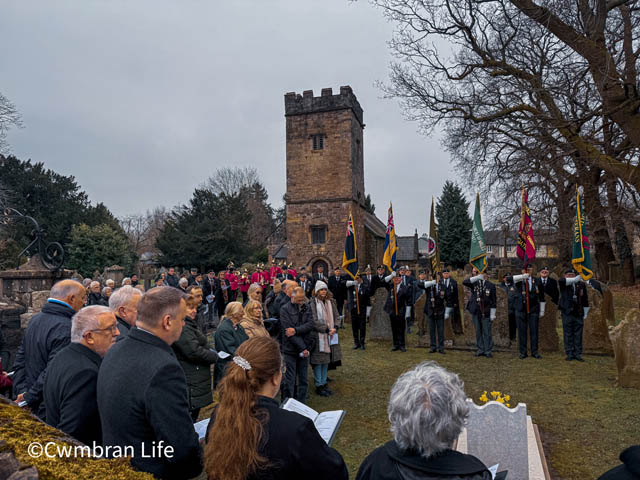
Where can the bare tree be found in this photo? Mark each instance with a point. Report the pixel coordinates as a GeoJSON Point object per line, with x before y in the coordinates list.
{"type": "Point", "coordinates": [232, 180]}
{"type": "Point", "coordinates": [9, 117]}
{"type": "Point", "coordinates": [143, 229]}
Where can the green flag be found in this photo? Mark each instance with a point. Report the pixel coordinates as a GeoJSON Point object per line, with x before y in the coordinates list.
{"type": "Point", "coordinates": [581, 258]}
{"type": "Point", "coordinates": [478, 252]}
{"type": "Point", "coordinates": [433, 237]}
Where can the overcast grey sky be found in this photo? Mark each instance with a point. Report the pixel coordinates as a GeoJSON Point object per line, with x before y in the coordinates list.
{"type": "Point", "coordinates": [142, 100]}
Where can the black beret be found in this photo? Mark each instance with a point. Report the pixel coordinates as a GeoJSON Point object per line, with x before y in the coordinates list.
{"type": "Point", "coordinates": [446, 270]}
{"type": "Point", "coordinates": [570, 270]}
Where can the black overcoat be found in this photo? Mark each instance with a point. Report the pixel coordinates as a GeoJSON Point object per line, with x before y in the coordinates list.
{"type": "Point", "coordinates": [142, 399]}
{"type": "Point", "coordinates": [70, 393]}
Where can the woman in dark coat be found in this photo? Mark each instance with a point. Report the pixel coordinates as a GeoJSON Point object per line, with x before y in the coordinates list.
{"type": "Point", "coordinates": [229, 336]}
{"type": "Point", "coordinates": [249, 437]}
{"type": "Point", "coordinates": [427, 410]}
{"type": "Point", "coordinates": [196, 357]}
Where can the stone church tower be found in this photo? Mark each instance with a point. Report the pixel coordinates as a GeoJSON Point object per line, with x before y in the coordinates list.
{"type": "Point", "coordinates": [325, 181]}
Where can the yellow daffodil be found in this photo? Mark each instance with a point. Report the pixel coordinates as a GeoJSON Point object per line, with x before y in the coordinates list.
{"type": "Point", "coordinates": [483, 397]}
{"type": "Point", "coordinates": [508, 405]}
{"type": "Point", "coordinates": [495, 394]}
{"type": "Point", "coordinates": [507, 398]}
{"type": "Point", "coordinates": [500, 399]}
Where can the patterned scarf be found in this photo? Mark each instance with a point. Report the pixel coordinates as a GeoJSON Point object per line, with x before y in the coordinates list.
{"type": "Point", "coordinates": [325, 313]}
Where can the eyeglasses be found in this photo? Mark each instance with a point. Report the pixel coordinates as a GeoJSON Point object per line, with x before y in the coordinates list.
{"type": "Point", "coordinates": [113, 329]}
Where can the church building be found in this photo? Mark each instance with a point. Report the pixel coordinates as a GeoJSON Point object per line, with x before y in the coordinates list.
{"type": "Point", "coordinates": [325, 181]}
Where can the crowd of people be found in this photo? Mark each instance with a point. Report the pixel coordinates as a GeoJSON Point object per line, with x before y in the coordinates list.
{"type": "Point", "coordinates": [137, 371]}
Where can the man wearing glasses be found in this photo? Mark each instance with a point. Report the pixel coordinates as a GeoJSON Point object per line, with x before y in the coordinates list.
{"type": "Point", "coordinates": [48, 332]}
{"type": "Point", "coordinates": [70, 387]}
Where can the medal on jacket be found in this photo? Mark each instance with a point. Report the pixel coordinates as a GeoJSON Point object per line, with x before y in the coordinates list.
{"type": "Point", "coordinates": [487, 292]}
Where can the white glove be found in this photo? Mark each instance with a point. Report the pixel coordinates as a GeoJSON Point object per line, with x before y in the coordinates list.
{"type": "Point", "coordinates": [492, 314]}
{"type": "Point", "coordinates": [447, 312]}
{"type": "Point", "coordinates": [542, 307]}
{"type": "Point", "coordinates": [407, 312]}
{"type": "Point", "coordinates": [519, 278]}
{"type": "Point", "coordinates": [351, 283]}
{"type": "Point", "coordinates": [368, 311]}
{"type": "Point", "coordinates": [477, 278]}
{"type": "Point", "coordinates": [430, 283]}
{"type": "Point", "coordinates": [571, 281]}
{"type": "Point", "coordinates": [388, 278]}
{"type": "Point", "coordinates": [586, 312]}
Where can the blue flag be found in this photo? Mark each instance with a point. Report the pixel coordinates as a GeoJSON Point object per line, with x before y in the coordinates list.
{"type": "Point", "coordinates": [350, 255]}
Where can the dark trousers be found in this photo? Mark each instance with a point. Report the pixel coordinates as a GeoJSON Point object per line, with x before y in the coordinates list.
{"type": "Point", "coordinates": [527, 323]}
{"type": "Point", "coordinates": [398, 326]}
{"type": "Point", "coordinates": [359, 325]}
{"type": "Point", "coordinates": [340, 305]}
{"type": "Point", "coordinates": [512, 325]}
{"type": "Point", "coordinates": [436, 329]}
{"type": "Point", "coordinates": [484, 341]}
{"type": "Point", "coordinates": [296, 368]}
{"type": "Point", "coordinates": [572, 326]}
{"type": "Point", "coordinates": [245, 296]}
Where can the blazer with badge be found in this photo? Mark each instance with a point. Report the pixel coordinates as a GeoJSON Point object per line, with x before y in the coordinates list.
{"type": "Point", "coordinates": [483, 297]}
{"type": "Point", "coordinates": [573, 298]}
{"type": "Point", "coordinates": [404, 299]}
{"type": "Point", "coordinates": [377, 281]}
{"type": "Point", "coordinates": [536, 295]}
{"type": "Point", "coordinates": [364, 297]}
{"type": "Point", "coordinates": [147, 405]}
{"type": "Point", "coordinates": [450, 292]}
{"type": "Point", "coordinates": [436, 298]}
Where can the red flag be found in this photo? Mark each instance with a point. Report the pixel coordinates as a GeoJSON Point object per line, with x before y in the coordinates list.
{"type": "Point", "coordinates": [526, 246]}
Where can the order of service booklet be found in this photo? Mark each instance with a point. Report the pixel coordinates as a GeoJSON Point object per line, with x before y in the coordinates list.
{"type": "Point", "coordinates": [327, 423]}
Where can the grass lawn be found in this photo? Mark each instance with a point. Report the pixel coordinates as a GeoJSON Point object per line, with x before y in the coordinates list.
{"type": "Point", "coordinates": [585, 421]}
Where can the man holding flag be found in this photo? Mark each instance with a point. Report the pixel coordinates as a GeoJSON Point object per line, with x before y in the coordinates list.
{"type": "Point", "coordinates": [529, 301]}
{"type": "Point", "coordinates": [482, 302]}
{"type": "Point", "coordinates": [399, 296]}
{"type": "Point", "coordinates": [358, 298]}
{"type": "Point", "coordinates": [574, 303]}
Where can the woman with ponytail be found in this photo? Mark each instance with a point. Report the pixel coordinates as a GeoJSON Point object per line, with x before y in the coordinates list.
{"type": "Point", "coordinates": [251, 437]}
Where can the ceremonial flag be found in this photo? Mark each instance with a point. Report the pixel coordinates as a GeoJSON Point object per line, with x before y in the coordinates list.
{"type": "Point", "coordinates": [581, 258]}
{"type": "Point", "coordinates": [526, 249]}
{"type": "Point", "coordinates": [390, 244]}
{"type": "Point", "coordinates": [433, 237]}
{"type": "Point", "coordinates": [478, 251]}
{"type": "Point", "coordinates": [350, 255]}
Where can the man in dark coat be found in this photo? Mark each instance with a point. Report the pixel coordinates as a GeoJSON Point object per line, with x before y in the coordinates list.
{"type": "Point", "coordinates": [124, 303]}
{"type": "Point", "coordinates": [482, 307]}
{"type": "Point", "coordinates": [529, 303]}
{"type": "Point", "coordinates": [296, 322]}
{"type": "Point", "coordinates": [574, 305]}
{"type": "Point", "coordinates": [283, 298]}
{"type": "Point", "coordinates": [434, 308]}
{"type": "Point", "coordinates": [70, 387]}
{"type": "Point", "coordinates": [223, 293]}
{"type": "Point", "coordinates": [305, 284]}
{"type": "Point", "coordinates": [47, 333]}
{"type": "Point", "coordinates": [192, 278]}
{"type": "Point", "coordinates": [397, 301]}
{"type": "Point", "coordinates": [378, 280]}
{"type": "Point", "coordinates": [149, 406]}
{"type": "Point", "coordinates": [452, 301]}
{"type": "Point", "coordinates": [359, 300]}
{"type": "Point", "coordinates": [338, 287]}
{"type": "Point", "coordinates": [319, 275]}
{"type": "Point", "coordinates": [208, 292]}
{"type": "Point", "coordinates": [549, 285]}
{"type": "Point", "coordinates": [171, 279]}
{"type": "Point", "coordinates": [510, 289]}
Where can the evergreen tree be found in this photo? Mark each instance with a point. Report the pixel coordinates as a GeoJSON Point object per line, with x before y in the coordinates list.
{"type": "Point", "coordinates": [96, 247]}
{"type": "Point", "coordinates": [208, 232]}
{"type": "Point", "coordinates": [454, 226]}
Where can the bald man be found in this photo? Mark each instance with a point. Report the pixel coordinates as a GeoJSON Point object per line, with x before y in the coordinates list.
{"type": "Point", "coordinates": [47, 333]}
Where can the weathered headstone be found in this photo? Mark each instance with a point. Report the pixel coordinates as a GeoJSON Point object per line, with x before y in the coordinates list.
{"type": "Point", "coordinates": [497, 434]}
{"type": "Point", "coordinates": [625, 338]}
{"type": "Point", "coordinates": [379, 320]}
{"type": "Point", "coordinates": [115, 273]}
{"type": "Point", "coordinates": [418, 311]}
{"type": "Point", "coordinates": [548, 327]}
{"type": "Point", "coordinates": [595, 337]}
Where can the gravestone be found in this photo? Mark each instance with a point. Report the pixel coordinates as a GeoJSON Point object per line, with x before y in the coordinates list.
{"type": "Point", "coordinates": [418, 312]}
{"type": "Point", "coordinates": [497, 434]}
{"type": "Point", "coordinates": [115, 273]}
{"type": "Point", "coordinates": [380, 325]}
{"type": "Point", "coordinates": [625, 338]}
{"type": "Point", "coordinates": [595, 337]}
{"type": "Point", "coordinates": [547, 327]}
